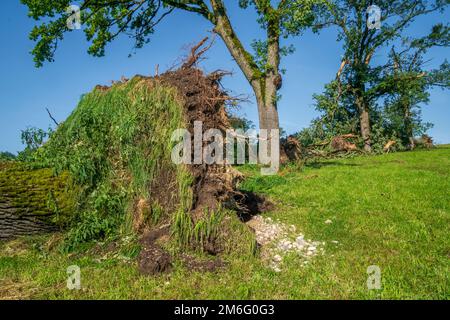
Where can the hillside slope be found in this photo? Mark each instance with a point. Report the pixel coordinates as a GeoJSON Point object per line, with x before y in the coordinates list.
{"type": "Point", "coordinates": [391, 211]}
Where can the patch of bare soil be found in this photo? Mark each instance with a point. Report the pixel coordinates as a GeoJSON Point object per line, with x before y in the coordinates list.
{"type": "Point", "coordinates": [153, 259]}
{"type": "Point", "coordinates": [251, 204]}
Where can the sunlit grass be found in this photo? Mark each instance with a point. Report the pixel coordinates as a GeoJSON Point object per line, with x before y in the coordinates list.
{"type": "Point", "coordinates": [389, 210]}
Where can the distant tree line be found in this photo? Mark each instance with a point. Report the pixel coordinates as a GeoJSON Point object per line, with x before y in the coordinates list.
{"type": "Point", "coordinates": [381, 101]}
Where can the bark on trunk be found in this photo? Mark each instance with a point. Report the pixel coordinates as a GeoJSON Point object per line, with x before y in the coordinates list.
{"type": "Point", "coordinates": [267, 105]}
{"type": "Point", "coordinates": [272, 81]}
{"type": "Point", "coordinates": [265, 86]}
{"type": "Point", "coordinates": [364, 122]}
{"type": "Point", "coordinates": [32, 201]}
{"type": "Point", "coordinates": [13, 225]}
{"type": "Point", "coordinates": [408, 128]}
{"type": "Point", "coordinates": [268, 116]}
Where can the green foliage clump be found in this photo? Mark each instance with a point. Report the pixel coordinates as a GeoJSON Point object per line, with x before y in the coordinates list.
{"type": "Point", "coordinates": [7, 156]}
{"type": "Point", "coordinates": [33, 138]}
{"type": "Point", "coordinates": [201, 232]}
{"type": "Point", "coordinates": [114, 144]}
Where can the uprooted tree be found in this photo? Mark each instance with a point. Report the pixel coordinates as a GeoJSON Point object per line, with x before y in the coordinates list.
{"type": "Point", "coordinates": [106, 20]}
{"type": "Point", "coordinates": [115, 175]}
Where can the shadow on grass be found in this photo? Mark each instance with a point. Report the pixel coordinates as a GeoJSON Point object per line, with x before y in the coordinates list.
{"type": "Point", "coordinates": [320, 164]}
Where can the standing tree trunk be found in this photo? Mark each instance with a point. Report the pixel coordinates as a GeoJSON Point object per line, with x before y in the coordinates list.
{"type": "Point", "coordinates": [408, 127]}
{"type": "Point", "coordinates": [268, 115]}
{"type": "Point", "coordinates": [272, 81]}
{"type": "Point", "coordinates": [364, 122]}
{"type": "Point", "coordinates": [264, 85]}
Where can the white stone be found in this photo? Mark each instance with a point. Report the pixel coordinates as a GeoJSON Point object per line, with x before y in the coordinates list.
{"type": "Point", "coordinates": [300, 241]}
{"type": "Point", "coordinates": [277, 258]}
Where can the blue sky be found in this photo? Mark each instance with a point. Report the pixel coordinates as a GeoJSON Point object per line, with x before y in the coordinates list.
{"type": "Point", "coordinates": [27, 91]}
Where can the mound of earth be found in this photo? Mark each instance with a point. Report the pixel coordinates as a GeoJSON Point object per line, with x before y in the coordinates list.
{"type": "Point", "coordinates": [116, 148]}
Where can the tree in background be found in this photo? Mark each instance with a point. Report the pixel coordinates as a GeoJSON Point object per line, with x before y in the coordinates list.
{"type": "Point", "coordinates": [408, 83]}
{"type": "Point", "coordinates": [7, 156]}
{"type": "Point", "coordinates": [397, 89]}
{"type": "Point", "coordinates": [357, 78]}
{"type": "Point", "coordinates": [33, 138]}
{"type": "Point", "coordinates": [106, 20]}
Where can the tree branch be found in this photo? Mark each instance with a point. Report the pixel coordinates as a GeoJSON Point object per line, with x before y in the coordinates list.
{"type": "Point", "coordinates": [51, 117]}
{"type": "Point", "coordinates": [244, 59]}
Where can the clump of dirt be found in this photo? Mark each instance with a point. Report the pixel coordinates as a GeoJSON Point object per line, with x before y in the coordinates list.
{"type": "Point", "coordinates": [213, 184]}
{"type": "Point", "coordinates": [291, 150]}
{"type": "Point", "coordinates": [251, 204]}
{"type": "Point", "coordinates": [153, 259]}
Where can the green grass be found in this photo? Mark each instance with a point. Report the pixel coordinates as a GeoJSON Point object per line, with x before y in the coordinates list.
{"type": "Point", "coordinates": [390, 210]}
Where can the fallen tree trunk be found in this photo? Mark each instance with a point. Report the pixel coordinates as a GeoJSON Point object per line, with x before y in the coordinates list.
{"type": "Point", "coordinates": [32, 201]}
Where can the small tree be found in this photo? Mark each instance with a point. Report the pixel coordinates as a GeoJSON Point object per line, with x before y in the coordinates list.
{"type": "Point", "coordinates": [106, 20]}
{"type": "Point", "coordinates": [33, 138]}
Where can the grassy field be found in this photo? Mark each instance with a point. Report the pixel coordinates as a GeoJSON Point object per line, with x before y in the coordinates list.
{"type": "Point", "coordinates": [391, 210]}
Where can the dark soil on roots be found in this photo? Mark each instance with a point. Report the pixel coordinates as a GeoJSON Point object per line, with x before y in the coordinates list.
{"type": "Point", "coordinates": [204, 101]}
{"type": "Point", "coordinates": [213, 184]}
